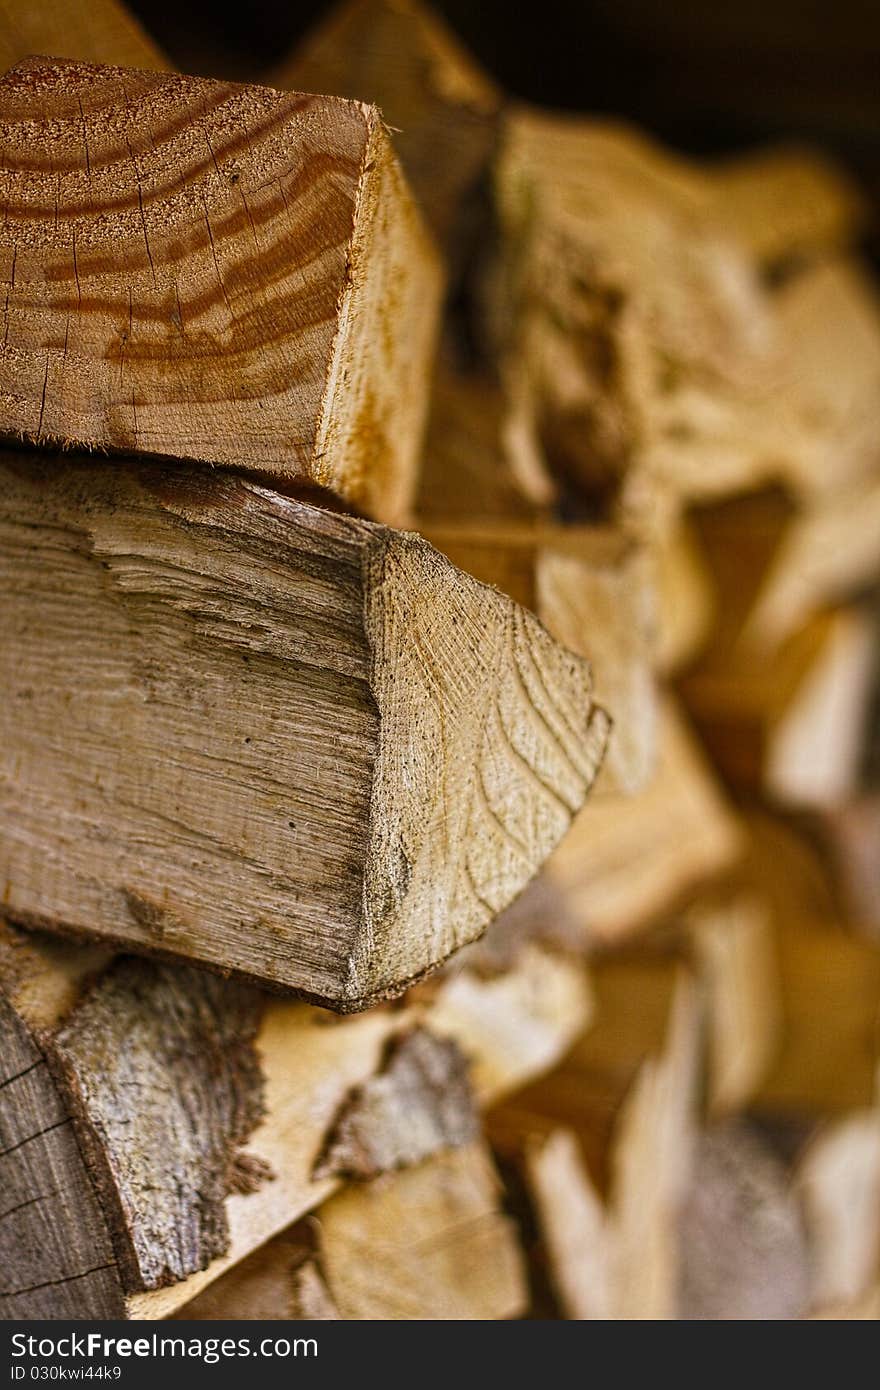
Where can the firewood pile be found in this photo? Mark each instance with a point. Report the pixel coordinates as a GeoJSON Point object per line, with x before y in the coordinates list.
{"type": "Point", "coordinates": [440, 556]}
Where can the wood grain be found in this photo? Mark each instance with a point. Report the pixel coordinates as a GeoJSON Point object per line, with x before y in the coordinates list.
{"type": "Point", "coordinates": [58, 1258]}
{"type": "Point", "coordinates": [243, 731]}
{"type": "Point", "coordinates": [208, 271]}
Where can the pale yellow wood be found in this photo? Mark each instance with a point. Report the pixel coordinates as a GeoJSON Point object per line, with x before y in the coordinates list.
{"type": "Point", "coordinates": [573, 1224]}
{"type": "Point", "coordinates": [838, 1181]}
{"type": "Point", "coordinates": [429, 1243]}
{"type": "Point", "coordinates": [627, 861]}
{"type": "Point", "coordinates": [733, 942]}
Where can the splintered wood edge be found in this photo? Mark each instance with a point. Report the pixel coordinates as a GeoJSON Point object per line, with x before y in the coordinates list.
{"type": "Point", "coordinates": [387, 313]}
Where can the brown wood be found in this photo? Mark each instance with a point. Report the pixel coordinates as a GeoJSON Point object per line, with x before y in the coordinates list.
{"type": "Point", "coordinates": [239, 276]}
{"type": "Point", "coordinates": [296, 745]}
{"type": "Point", "coordinates": [442, 108]}
{"type": "Point", "coordinates": [103, 31]}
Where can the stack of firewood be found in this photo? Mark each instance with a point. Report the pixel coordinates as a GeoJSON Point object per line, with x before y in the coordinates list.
{"type": "Point", "coordinates": [438, 543]}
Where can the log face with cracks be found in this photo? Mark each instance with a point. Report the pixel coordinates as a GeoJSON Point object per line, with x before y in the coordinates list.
{"type": "Point", "coordinates": [207, 271]}
{"type": "Point", "coordinates": [286, 743]}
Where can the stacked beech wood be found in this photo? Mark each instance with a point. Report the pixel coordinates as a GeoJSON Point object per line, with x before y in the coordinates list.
{"type": "Point", "coordinates": [253, 729]}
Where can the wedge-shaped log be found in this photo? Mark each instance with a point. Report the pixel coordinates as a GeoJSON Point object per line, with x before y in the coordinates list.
{"type": "Point", "coordinates": [293, 745]}
{"type": "Point", "coordinates": [208, 271]}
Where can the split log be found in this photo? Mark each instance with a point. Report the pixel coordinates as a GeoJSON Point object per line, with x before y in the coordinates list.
{"type": "Point", "coordinates": [103, 31]}
{"type": "Point", "coordinates": [786, 205]}
{"type": "Point", "coordinates": [283, 742]}
{"type": "Point", "coordinates": [592, 589]}
{"type": "Point", "coordinates": [685, 608]}
{"type": "Point", "coordinates": [633, 1110]}
{"type": "Point", "coordinates": [790, 725]}
{"type": "Point", "coordinates": [829, 981]}
{"type": "Point", "coordinates": [222, 282]}
{"type": "Point", "coordinates": [428, 1243]}
{"type": "Point", "coordinates": [629, 330]}
{"type": "Point", "coordinates": [442, 107]}
{"type": "Point", "coordinates": [467, 472]}
{"type": "Point", "coordinates": [189, 1115]}
{"type": "Point", "coordinates": [734, 948]}
{"type": "Point", "coordinates": [573, 1226]}
{"type": "Point", "coordinates": [627, 862]}
{"type": "Point", "coordinates": [838, 1181]}
{"type": "Point", "coordinates": [743, 1245]}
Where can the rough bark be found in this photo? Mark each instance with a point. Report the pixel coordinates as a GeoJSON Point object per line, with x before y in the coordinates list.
{"type": "Point", "coordinates": [235, 275]}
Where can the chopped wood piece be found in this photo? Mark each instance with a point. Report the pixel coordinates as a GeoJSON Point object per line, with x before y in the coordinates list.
{"type": "Point", "coordinates": [785, 204]}
{"type": "Point", "coordinates": [418, 1103]}
{"type": "Point", "coordinates": [685, 603]}
{"type": "Point", "coordinates": [838, 1180]}
{"type": "Point", "coordinates": [239, 276]}
{"type": "Point", "coordinates": [854, 833]}
{"type": "Point", "coordinates": [103, 31]}
{"type": "Point", "coordinates": [427, 1243]}
{"type": "Point", "coordinates": [280, 741]}
{"type": "Point", "coordinates": [467, 473]}
{"type": "Point", "coordinates": [626, 862]}
{"type": "Point", "coordinates": [826, 554]}
{"type": "Point", "coordinates": [57, 1256]}
{"type": "Point", "coordinates": [442, 108]}
{"type": "Point", "coordinates": [743, 1250]}
{"type": "Point", "coordinates": [790, 725]}
{"type": "Point", "coordinates": [514, 1026]}
{"type": "Point", "coordinates": [573, 1226]}
{"type": "Point", "coordinates": [628, 329]}
{"type": "Point", "coordinates": [592, 589]}
{"type": "Point", "coordinates": [733, 943]}
{"type": "Point", "coordinates": [208, 1193]}
{"type": "Point", "coordinates": [829, 982]}
{"type": "Point", "coordinates": [280, 1280]}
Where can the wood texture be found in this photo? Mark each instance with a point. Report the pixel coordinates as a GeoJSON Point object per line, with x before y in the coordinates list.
{"type": "Point", "coordinates": [442, 107]}
{"type": "Point", "coordinates": [235, 275]}
{"type": "Point", "coordinates": [174, 1186]}
{"type": "Point", "coordinates": [103, 31]}
{"type": "Point", "coordinates": [593, 590]}
{"type": "Point", "coordinates": [628, 861]}
{"type": "Point", "coordinates": [283, 742]}
{"type": "Point", "coordinates": [58, 1260]}
{"type": "Point", "coordinates": [427, 1243]}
